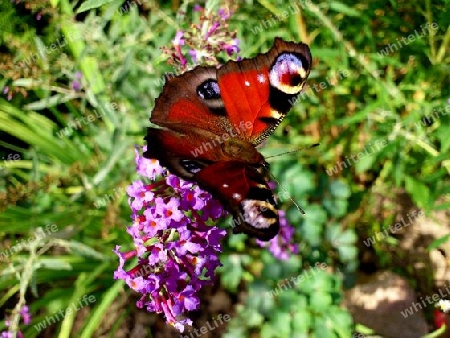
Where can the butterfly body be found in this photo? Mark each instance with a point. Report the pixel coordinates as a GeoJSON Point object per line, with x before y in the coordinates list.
{"type": "Point", "coordinates": [211, 121]}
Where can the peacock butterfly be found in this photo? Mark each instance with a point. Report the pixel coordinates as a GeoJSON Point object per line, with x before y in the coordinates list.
{"type": "Point", "coordinates": [212, 119]}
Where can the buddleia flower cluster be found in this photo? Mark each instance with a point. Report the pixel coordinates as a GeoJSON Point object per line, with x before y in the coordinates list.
{"type": "Point", "coordinates": [175, 245]}
{"type": "Point", "coordinates": [204, 40]}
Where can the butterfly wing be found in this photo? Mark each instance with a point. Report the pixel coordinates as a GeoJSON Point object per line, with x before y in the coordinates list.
{"type": "Point", "coordinates": [259, 92]}
{"type": "Point", "coordinates": [245, 99]}
{"type": "Point", "coordinates": [184, 150]}
{"type": "Point", "coordinates": [192, 100]}
{"type": "Point", "coordinates": [243, 190]}
{"type": "Point", "coordinates": [238, 106]}
{"type": "Point", "coordinates": [240, 186]}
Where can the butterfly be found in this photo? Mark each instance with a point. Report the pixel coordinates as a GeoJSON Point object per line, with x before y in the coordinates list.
{"type": "Point", "coordinates": [211, 120]}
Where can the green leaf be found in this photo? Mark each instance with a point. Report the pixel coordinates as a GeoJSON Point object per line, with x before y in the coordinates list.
{"type": "Point", "coordinates": [24, 82]}
{"type": "Point", "coordinates": [54, 264]}
{"type": "Point", "coordinates": [254, 319]}
{"type": "Point", "coordinates": [340, 189]}
{"type": "Point", "coordinates": [438, 242]}
{"type": "Point", "coordinates": [91, 4]}
{"type": "Point", "coordinates": [322, 328]}
{"type": "Point", "coordinates": [282, 321]}
{"type": "Point", "coordinates": [347, 253]}
{"type": "Point", "coordinates": [346, 238]}
{"type": "Point", "coordinates": [418, 191]}
{"type": "Point", "coordinates": [365, 163]}
{"type": "Point", "coordinates": [342, 8]}
{"type": "Point", "coordinates": [335, 207]}
{"type": "Point", "coordinates": [95, 317]}
{"type": "Point", "coordinates": [442, 134]}
{"type": "Point", "coordinates": [232, 271]}
{"type": "Point", "coordinates": [50, 101]}
{"type": "Point", "coordinates": [301, 322]}
{"type": "Point", "coordinates": [320, 301]}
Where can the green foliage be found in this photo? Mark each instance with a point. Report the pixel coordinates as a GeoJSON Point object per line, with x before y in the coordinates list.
{"type": "Point", "coordinates": [370, 104]}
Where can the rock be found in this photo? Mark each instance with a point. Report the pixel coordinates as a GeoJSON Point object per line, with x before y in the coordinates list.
{"type": "Point", "coordinates": [380, 304]}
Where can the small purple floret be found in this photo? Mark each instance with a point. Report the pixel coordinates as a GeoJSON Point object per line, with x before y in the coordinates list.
{"type": "Point", "coordinates": [282, 245]}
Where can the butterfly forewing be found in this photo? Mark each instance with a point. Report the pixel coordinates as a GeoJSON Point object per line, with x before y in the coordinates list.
{"type": "Point", "coordinates": [260, 90]}
{"type": "Point", "coordinates": [185, 101]}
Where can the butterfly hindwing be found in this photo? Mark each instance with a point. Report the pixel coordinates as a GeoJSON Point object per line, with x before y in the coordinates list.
{"type": "Point", "coordinates": [244, 191]}
{"type": "Point", "coordinates": [188, 143]}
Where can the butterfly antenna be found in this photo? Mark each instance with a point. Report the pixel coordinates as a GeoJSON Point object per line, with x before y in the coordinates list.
{"type": "Point", "coordinates": [299, 208]}
{"type": "Point", "coordinates": [294, 151]}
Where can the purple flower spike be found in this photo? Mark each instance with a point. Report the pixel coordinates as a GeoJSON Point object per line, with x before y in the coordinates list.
{"type": "Point", "coordinates": [178, 40]}
{"type": "Point", "coordinates": [224, 14]}
{"type": "Point", "coordinates": [198, 8]}
{"type": "Point", "coordinates": [176, 251]}
{"type": "Point", "coordinates": [76, 84]}
{"type": "Point", "coordinates": [232, 47]}
{"type": "Point", "coordinates": [206, 38]}
{"type": "Point", "coordinates": [24, 313]}
{"type": "Point", "coordinates": [212, 30]}
{"type": "Point", "coordinates": [193, 55]}
{"type": "Point", "coordinates": [281, 245]}
{"type": "Point", "coordinates": [146, 167]}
